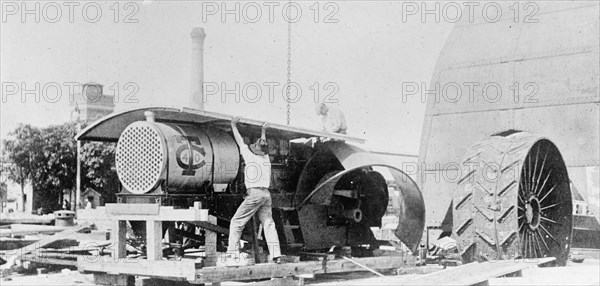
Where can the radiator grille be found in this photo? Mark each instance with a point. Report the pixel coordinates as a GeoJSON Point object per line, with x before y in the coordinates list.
{"type": "Point", "coordinates": [140, 157]}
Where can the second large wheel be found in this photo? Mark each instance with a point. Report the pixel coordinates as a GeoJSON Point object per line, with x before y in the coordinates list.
{"type": "Point", "coordinates": [513, 200]}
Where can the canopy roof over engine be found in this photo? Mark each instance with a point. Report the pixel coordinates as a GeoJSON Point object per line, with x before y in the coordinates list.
{"type": "Point", "coordinates": [110, 127]}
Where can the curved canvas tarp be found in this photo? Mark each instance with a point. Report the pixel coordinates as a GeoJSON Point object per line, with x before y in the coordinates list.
{"type": "Point", "coordinates": [350, 158]}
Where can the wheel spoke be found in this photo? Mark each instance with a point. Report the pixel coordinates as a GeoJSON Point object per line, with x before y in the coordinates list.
{"type": "Point", "coordinates": [544, 184]}
{"type": "Point", "coordinates": [550, 206]}
{"type": "Point", "coordinates": [548, 193]}
{"type": "Point", "coordinates": [526, 244]}
{"type": "Point", "coordinates": [533, 249]}
{"type": "Point", "coordinates": [521, 199]}
{"type": "Point", "coordinates": [537, 181]}
{"type": "Point", "coordinates": [547, 232]}
{"type": "Point", "coordinates": [539, 248]}
{"type": "Point", "coordinates": [522, 243]}
{"type": "Point", "coordinates": [527, 250]}
{"type": "Point", "coordinates": [548, 220]}
{"type": "Point", "coordinates": [523, 183]}
{"type": "Point", "coordinates": [526, 171]}
{"type": "Point", "coordinates": [533, 253]}
{"type": "Point", "coordinates": [531, 179]}
{"type": "Point", "coordinates": [537, 231]}
{"type": "Point", "coordinates": [530, 170]}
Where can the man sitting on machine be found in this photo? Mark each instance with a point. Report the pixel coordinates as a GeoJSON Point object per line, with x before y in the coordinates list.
{"type": "Point", "coordinates": [257, 178]}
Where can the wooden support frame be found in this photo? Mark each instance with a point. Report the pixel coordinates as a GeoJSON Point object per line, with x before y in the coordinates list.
{"type": "Point", "coordinates": [195, 271]}
{"type": "Point", "coordinates": [154, 215]}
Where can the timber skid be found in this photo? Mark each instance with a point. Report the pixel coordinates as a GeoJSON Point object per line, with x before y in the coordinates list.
{"type": "Point", "coordinates": [117, 269]}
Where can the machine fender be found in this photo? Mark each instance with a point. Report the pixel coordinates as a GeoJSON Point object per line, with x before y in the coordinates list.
{"type": "Point", "coordinates": [412, 209]}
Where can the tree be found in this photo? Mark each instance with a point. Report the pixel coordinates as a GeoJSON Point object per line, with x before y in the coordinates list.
{"type": "Point", "coordinates": [21, 162]}
{"type": "Point", "coordinates": [55, 164]}
{"type": "Point", "coordinates": [3, 194]}
{"type": "Point", "coordinates": [98, 169]}
{"type": "Point", "coordinates": [47, 158]}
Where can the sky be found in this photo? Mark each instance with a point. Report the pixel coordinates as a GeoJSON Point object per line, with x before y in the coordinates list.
{"type": "Point", "coordinates": [356, 54]}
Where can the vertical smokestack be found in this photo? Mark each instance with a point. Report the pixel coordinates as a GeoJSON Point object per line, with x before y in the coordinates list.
{"type": "Point", "coordinates": [196, 97]}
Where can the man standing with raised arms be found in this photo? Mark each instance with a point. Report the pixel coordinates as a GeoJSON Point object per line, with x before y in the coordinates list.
{"type": "Point", "coordinates": [257, 178]}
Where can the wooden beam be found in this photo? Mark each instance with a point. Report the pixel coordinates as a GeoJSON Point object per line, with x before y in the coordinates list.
{"type": "Point", "coordinates": [118, 235]}
{"type": "Point", "coordinates": [113, 280]}
{"type": "Point", "coordinates": [25, 229]}
{"type": "Point", "coordinates": [167, 269]}
{"type": "Point", "coordinates": [41, 243]}
{"type": "Point", "coordinates": [146, 281]}
{"type": "Point", "coordinates": [211, 244]}
{"type": "Point", "coordinates": [266, 270]}
{"type": "Point", "coordinates": [131, 209]}
{"type": "Point", "coordinates": [187, 269]}
{"type": "Point", "coordinates": [154, 240]}
{"type": "Point", "coordinates": [285, 281]}
{"type": "Point", "coordinates": [475, 273]}
{"type": "Point", "coordinates": [118, 212]}
{"type": "Point", "coordinates": [59, 260]}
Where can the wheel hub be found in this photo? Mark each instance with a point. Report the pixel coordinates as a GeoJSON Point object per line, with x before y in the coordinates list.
{"type": "Point", "coordinates": [532, 213]}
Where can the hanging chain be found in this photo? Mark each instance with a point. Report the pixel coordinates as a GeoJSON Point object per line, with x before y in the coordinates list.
{"type": "Point", "coordinates": [289, 69]}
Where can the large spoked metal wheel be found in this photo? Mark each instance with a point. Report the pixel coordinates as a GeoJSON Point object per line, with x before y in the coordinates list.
{"type": "Point", "coordinates": [513, 201]}
{"type": "Point", "coordinates": [545, 206]}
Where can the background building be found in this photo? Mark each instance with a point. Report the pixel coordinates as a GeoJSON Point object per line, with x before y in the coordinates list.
{"type": "Point", "coordinates": [90, 104]}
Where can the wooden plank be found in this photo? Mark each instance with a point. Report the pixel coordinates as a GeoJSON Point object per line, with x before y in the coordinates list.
{"type": "Point", "coordinates": [574, 274]}
{"type": "Point", "coordinates": [41, 243]}
{"type": "Point", "coordinates": [186, 269]}
{"type": "Point", "coordinates": [7, 244]}
{"type": "Point", "coordinates": [85, 248]}
{"type": "Point", "coordinates": [146, 281]}
{"type": "Point", "coordinates": [154, 240]}
{"type": "Point", "coordinates": [131, 209]}
{"type": "Point", "coordinates": [211, 244]}
{"type": "Point", "coordinates": [178, 270]}
{"type": "Point", "coordinates": [113, 280]}
{"type": "Point", "coordinates": [119, 234]}
{"type": "Point", "coordinates": [474, 273]}
{"type": "Point", "coordinates": [425, 269]}
{"type": "Point", "coordinates": [286, 281]}
{"type": "Point", "coordinates": [164, 214]}
{"type": "Point", "coordinates": [266, 270]}
{"type": "Point", "coordinates": [49, 260]}
{"type": "Point", "coordinates": [25, 229]}
{"type": "Point", "coordinates": [37, 220]}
